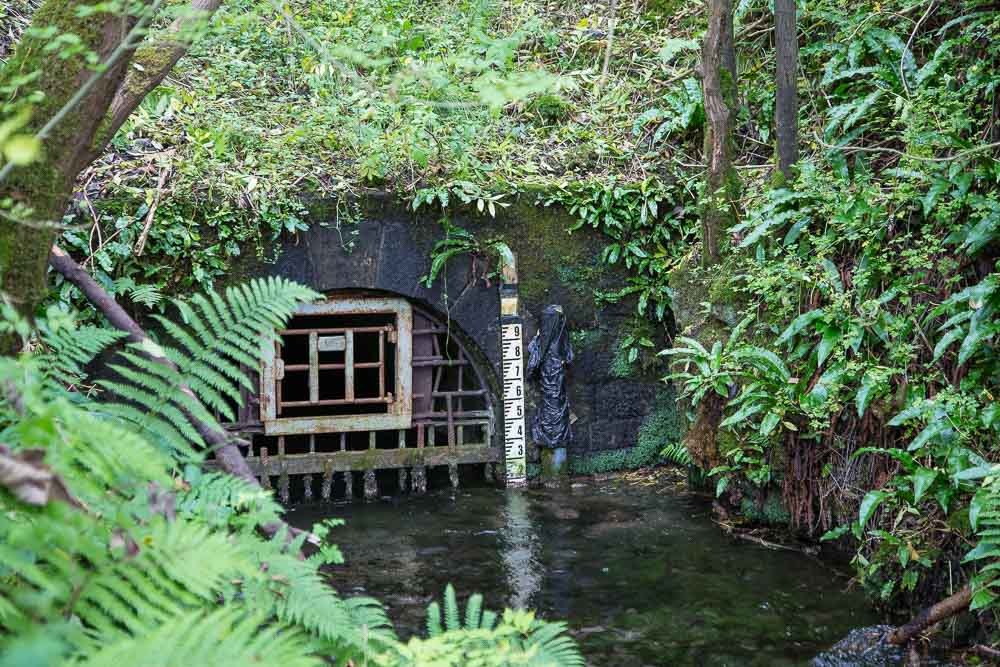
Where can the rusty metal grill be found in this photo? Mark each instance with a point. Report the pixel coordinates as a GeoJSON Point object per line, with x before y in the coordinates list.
{"type": "Point", "coordinates": [311, 381]}
{"type": "Point", "coordinates": [424, 402]}
{"type": "Point", "coordinates": [334, 340]}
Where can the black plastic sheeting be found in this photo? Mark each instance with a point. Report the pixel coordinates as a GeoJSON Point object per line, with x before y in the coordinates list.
{"type": "Point", "coordinates": [548, 355]}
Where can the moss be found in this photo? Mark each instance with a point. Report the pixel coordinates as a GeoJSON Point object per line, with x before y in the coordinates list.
{"type": "Point", "coordinates": [663, 424]}
{"type": "Point", "coordinates": [585, 340]}
{"type": "Point", "coordinates": [658, 429]}
{"type": "Point", "coordinates": [553, 265]}
{"type": "Point", "coordinates": [45, 186]}
{"type": "Point", "coordinates": [620, 366]}
{"type": "Point", "coordinates": [771, 511]}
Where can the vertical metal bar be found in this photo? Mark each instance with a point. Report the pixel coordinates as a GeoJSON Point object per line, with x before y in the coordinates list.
{"type": "Point", "coordinates": [278, 381]}
{"type": "Point", "coordinates": [371, 485]}
{"type": "Point", "coordinates": [348, 485]}
{"type": "Point", "coordinates": [459, 435]}
{"type": "Point", "coordinates": [381, 364]}
{"type": "Point", "coordinates": [327, 479]}
{"type": "Point", "coordinates": [430, 434]}
{"type": "Point", "coordinates": [371, 440]}
{"type": "Point", "coordinates": [313, 367]}
{"type": "Point", "coordinates": [349, 365]}
{"type": "Point", "coordinates": [343, 442]}
{"type": "Point", "coordinates": [312, 443]}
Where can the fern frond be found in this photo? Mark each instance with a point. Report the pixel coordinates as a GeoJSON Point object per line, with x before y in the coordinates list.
{"type": "Point", "coordinates": [473, 611]}
{"type": "Point", "coordinates": [228, 637]}
{"type": "Point", "coordinates": [67, 350]}
{"type": "Point", "coordinates": [452, 620]}
{"type": "Point", "coordinates": [434, 627]}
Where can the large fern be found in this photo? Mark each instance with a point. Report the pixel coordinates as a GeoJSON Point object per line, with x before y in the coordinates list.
{"type": "Point", "coordinates": [219, 334]}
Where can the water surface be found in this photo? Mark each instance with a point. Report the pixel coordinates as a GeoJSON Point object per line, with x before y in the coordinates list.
{"type": "Point", "coordinates": [640, 572]}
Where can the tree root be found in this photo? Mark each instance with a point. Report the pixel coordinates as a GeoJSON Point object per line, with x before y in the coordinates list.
{"type": "Point", "coordinates": [951, 605]}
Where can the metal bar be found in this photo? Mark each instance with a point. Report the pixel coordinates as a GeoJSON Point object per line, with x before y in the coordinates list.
{"type": "Point", "coordinates": [343, 442]}
{"type": "Point", "coordinates": [371, 440]}
{"type": "Point", "coordinates": [262, 466]}
{"type": "Point", "coordinates": [458, 398]}
{"type": "Point", "coordinates": [381, 363]}
{"type": "Point", "coordinates": [293, 368]}
{"type": "Point", "coordinates": [301, 464]}
{"type": "Point", "coordinates": [472, 421]}
{"type": "Point", "coordinates": [338, 423]}
{"type": "Point", "coordinates": [313, 367]}
{"type": "Point", "coordinates": [470, 414]}
{"type": "Point", "coordinates": [337, 401]}
{"type": "Point", "coordinates": [420, 436]}
{"type": "Point", "coordinates": [278, 393]}
{"type": "Point", "coordinates": [451, 421]}
{"type": "Point", "coordinates": [337, 330]}
{"type": "Point", "coordinates": [349, 366]}
{"type": "Point", "coordinates": [419, 363]}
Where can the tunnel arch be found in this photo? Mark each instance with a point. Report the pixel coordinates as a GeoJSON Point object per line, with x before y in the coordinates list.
{"type": "Point", "coordinates": [371, 393]}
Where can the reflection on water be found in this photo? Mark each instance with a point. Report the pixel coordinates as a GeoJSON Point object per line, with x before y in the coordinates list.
{"type": "Point", "coordinates": [519, 550]}
{"type": "Point", "coordinates": [641, 574]}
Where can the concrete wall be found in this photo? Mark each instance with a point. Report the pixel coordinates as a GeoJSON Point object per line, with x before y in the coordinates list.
{"type": "Point", "coordinates": [392, 252]}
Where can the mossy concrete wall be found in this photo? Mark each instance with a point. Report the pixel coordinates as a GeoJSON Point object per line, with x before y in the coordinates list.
{"type": "Point", "coordinates": [609, 398]}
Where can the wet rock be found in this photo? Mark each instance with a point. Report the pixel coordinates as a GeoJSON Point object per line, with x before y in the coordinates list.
{"type": "Point", "coordinates": [863, 647]}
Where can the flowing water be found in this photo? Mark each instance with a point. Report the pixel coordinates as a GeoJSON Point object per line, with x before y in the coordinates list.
{"type": "Point", "coordinates": [640, 573]}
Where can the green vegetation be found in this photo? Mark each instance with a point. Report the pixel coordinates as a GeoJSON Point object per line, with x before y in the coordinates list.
{"type": "Point", "coordinates": [118, 547]}
{"type": "Point", "coordinates": [865, 371]}
{"type": "Point", "coordinates": [656, 444]}
{"type": "Point", "coordinates": [839, 353]}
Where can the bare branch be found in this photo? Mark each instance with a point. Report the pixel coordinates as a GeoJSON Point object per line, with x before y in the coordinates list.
{"type": "Point", "coordinates": [227, 454]}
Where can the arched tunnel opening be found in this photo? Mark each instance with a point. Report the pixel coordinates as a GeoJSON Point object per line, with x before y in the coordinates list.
{"type": "Point", "coordinates": [369, 394]}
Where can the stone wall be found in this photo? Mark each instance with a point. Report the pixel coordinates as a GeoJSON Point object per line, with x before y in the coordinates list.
{"type": "Point", "coordinates": [610, 398]}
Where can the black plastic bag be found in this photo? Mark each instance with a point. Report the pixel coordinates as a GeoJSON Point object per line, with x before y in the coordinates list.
{"type": "Point", "coordinates": [548, 355]}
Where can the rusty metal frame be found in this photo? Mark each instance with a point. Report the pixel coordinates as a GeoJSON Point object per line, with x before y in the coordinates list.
{"type": "Point", "coordinates": [451, 418]}
{"type": "Point", "coordinates": [399, 407]}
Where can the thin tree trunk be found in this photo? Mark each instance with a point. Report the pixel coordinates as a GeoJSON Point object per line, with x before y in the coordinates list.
{"type": "Point", "coordinates": [786, 103]}
{"type": "Point", "coordinates": [157, 60]}
{"type": "Point", "coordinates": [722, 186]}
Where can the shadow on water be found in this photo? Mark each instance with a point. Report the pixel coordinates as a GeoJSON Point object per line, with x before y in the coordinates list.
{"type": "Point", "coordinates": [643, 577]}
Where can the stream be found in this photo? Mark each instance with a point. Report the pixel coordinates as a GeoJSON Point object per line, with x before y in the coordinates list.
{"type": "Point", "coordinates": [636, 568]}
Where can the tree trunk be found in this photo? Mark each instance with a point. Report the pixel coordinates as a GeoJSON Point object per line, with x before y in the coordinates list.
{"type": "Point", "coordinates": [701, 438]}
{"type": "Point", "coordinates": [786, 103]}
{"type": "Point", "coordinates": [43, 188]}
{"type": "Point", "coordinates": [722, 186]}
{"type": "Point", "coordinates": [156, 59]}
